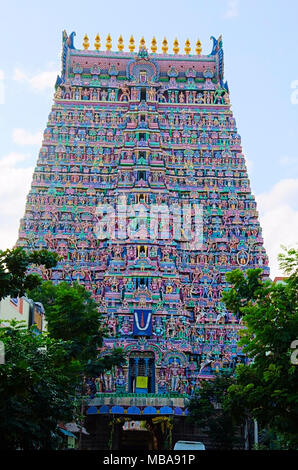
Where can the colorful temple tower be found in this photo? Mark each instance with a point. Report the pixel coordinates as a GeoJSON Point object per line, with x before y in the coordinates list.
{"type": "Point", "coordinates": [136, 146]}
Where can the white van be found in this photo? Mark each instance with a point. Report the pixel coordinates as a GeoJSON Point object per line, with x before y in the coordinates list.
{"type": "Point", "coordinates": [189, 445]}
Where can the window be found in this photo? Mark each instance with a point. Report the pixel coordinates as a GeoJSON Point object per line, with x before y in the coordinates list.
{"type": "Point", "coordinates": [141, 366]}
{"type": "Point", "coordinates": [142, 282]}
{"type": "Point", "coordinates": [141, 198]}
{"type": "Point", "coordinates": [141, 175]}
{"type": "Point", "coordinates": [143, 94]}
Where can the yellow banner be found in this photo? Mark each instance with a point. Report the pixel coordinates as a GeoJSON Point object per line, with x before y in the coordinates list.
{"type": "Point", "coordinates": [142, 382]}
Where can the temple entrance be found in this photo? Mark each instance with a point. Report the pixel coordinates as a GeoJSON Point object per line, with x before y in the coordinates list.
{"type": "Point", "coordinates": [135, 435]}
{"type": "Point", "coordinates": [150, 433]}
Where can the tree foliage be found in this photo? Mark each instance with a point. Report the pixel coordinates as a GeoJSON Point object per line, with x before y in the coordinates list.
{"type": "Point", "coordinates": [266, 389]}
{"type": "Point", "coordinates": [14, 280]}
{"type": "Point", "coordinates": [37, 389]}
{"type": "Point", "coordinates": [41, 380]}
{"type": "Point", "coordinates": [72, 315]}
{"type": "Point", "coordinates": [244, 289]}
{"type": "Point", "coordinates": [100, 364]}
{"type": "Point", "coordinates": [288, 261]}
{"type": "Point", "coordinates": [210, 410]}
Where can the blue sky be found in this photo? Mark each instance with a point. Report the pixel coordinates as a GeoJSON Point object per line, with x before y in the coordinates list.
{"type": "Point", "coordinates": [261, 67]}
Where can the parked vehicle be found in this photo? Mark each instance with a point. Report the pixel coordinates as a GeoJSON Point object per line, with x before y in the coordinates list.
{"type": "Point", "coordinates": [189, 445]}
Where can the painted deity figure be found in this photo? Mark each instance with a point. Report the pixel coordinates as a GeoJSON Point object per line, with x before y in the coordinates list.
{"type": "Point", "coordinates": [99, 383]}
{"type": "Point", "coordinates": [162, 382]}
{"type": "Point", "coordinates": [174, 375]}
{"type": "Point", "coordinates": [171, 327]}
{"type": "Point", "coordinates": [120, 380]}
{"type": "Point", "coordinates": [126, 327]}
{"type": "Point", "coordinates": [108, 381]}
{"type": "Point", "coordinates": [158, 329]}
{"type": "Point", "coordinates": [104, 95]}
{"type": "Point", "coordinates": [181, 97]}
{"type": "Point", "coordinates": [151, 94]}
{"type": "Point", "coordinates": [112, 325]}
{"type": "Point", "coordinates": [124, 93]}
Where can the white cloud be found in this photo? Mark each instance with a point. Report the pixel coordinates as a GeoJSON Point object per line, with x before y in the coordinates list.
{"type": "Point", "coordinates": [2, 76]}
{"type": "Point", "coordinates": [278, 210]}
{"type": "Point", "coordinates": [23, 137]}
{"type": "Point", "coordinates": [232, 9]}
{"type": "Point", "coordinates": [38, 82]}
{"type": "Point", "coordinates": [14, 186]}
{"type": "Point", "coordinates": [8, 233]}
{"type": "Point", "coordinates": [11, 159]}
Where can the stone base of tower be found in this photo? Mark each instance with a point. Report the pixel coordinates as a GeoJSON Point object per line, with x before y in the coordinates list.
{"type": "Point", "coordinates": [105, 433]}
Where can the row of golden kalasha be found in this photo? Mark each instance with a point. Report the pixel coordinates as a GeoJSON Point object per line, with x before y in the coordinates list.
{"type": "Point", "coordinates": [132, 46]}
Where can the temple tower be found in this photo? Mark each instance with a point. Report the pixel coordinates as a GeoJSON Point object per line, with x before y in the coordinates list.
{"type": "Point", "coordinates": [142, 188]}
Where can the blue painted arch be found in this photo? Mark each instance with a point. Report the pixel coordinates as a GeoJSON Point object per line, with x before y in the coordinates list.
{"type": "Point", "coordinates": [133, 410]}
{"type": "Point", "coordinates": [92, 410]}
{"type": "Point", "coordinates": [117, 410]}
{"type": "Point", "coordinates": [150, 410]}
{"type": "Point", "coordinates": [166, 410]}
{"type": "Point", "coordinates": [104, 409]}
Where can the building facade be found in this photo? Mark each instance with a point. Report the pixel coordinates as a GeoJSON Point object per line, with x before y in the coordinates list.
{"type": "Point", "coordinates": [24, 310]}
{"type": "Point", "coordinates": [142, 188]}
{"type": "Point", "coordinates": [14, 309]}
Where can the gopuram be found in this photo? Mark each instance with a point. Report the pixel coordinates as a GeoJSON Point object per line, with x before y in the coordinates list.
{"type": "Point", "coordinates": [142, 188]}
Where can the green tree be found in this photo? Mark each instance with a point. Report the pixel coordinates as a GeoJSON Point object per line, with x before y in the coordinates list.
{"type": "Point", "coordinates": [245, 289]}
{"type": "Point", "coordinates": [41, 381]}
{"type": "Point", "coordinates": [266, 389]}
{"type": "Point", "coordinates": [72, 315]}
{"type": "Point", "coordinates": [37, 389]}
{"type": "Point", "coordinates": [288, 261]}
{"type": "Point", "coordinates": [209, 409]}
{"type": "Point", "coordinates": [14, 280]}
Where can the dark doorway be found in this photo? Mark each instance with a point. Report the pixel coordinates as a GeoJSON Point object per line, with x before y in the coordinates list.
{"type": "Point", "coordinates": [134, 435]}
{"type": "Point", "coordinates": [143, 94]}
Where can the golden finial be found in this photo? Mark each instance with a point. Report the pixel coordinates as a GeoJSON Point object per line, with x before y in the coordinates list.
{"type": "Point", "coordinates": [153, 45]}
{"type": "Point", "coordinates": [142, 42]}
{"type": "Point", "coordinates": [131, 46]}
{"type": "Point", "coordinates": [120, 43]}
{"type": "Point", "coordinates": [176, 46]}
{"type": "Point", "coordinates": [187, 47]}
{"type": "Point", "coordinates": [164, 46]}
{"type": "Point", "coordinates": [198, 47]}
{"type": "Point", "coordinates": [109, 43]}
{"type": "Point", "coordinates": [97, 42]}
{"type": "Point", "coordinates": [86, 42]}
